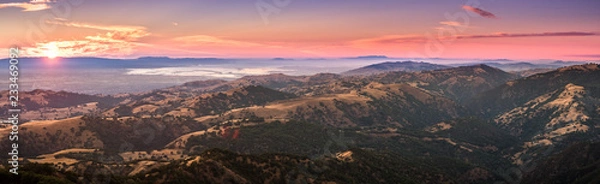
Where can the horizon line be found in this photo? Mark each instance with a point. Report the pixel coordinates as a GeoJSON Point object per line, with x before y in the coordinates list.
{"type": "Point", "coordinates": [365, 57]}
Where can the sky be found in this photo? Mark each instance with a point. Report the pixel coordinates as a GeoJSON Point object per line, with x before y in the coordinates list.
{"type": "Point", "coordinates": [481, 29]}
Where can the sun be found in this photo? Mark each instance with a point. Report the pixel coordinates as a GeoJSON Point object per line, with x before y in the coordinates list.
{"type": "Point", "coordinates": [51, 54]}
{"type": "Point", "coordinates": [51, 51]}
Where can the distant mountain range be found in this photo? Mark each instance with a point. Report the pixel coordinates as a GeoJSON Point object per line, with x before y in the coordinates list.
{"type": "Point", "coordinates": [516, 66]}
{"type": "Point", "coordinates": [369, 57]}
{"type": "Point", "coordinates": [520, 68]}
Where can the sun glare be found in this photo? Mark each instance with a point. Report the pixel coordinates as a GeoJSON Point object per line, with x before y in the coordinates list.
{"type": "Point", "coordinates": [51, 51]}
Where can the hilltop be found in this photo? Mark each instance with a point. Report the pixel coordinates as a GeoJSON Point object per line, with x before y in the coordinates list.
{"type": "Point", "coordinates": [405, 66]}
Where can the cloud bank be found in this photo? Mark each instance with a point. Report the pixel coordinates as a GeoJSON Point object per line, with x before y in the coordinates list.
{"type": "Point", "coordinates": [204, 71]}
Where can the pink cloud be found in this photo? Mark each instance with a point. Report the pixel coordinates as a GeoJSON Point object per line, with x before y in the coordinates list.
{"type": "Point", "coordinates": [391, 39]}
{"type": "Point", "coordinates": [505, 35]}
{"type": "Point", "coordinates": [479, 11]}
{"type": "Point", "coordinates": [212, 41]}
{"type": "Point", "coordinates": [398, 39]}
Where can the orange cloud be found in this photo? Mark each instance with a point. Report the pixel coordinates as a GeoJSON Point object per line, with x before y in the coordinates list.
{"type": "Point", "coordinates": [76, 48]}
{"type": "Point", "coordinates": [398, 39]}
{"type": "Point", "coordinates": [479, 11]}
{"type": "Point", "coordinates": [117, 41]}
{"type": "Point", "coordinates": [206, 40]}
{"type": "Point", "coordinates": [391, 39]}
{"type": "Point", "coordinates": [231, 47]}
{"type": "Point", "coordinates": [116, 32]}
{"type": "Point", "coordinates": [451, 23]}
{"type": "Point", "coordinates": [33, 5]}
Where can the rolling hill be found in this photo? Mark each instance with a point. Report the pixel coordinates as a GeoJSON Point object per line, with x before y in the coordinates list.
{"type": "Point", "coordinates": [50, 105]}
{"type": "Point", "coordinates": [470, 124]}
{"type": "Point", "coordinates": [403, 66]}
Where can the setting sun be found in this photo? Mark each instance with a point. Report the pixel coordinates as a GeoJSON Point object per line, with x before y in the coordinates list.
{"type": "Point", "coordinates": [51, 51]}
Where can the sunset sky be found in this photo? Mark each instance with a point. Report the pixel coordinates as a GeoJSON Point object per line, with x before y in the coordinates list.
{"type": "Point", "coordinates": [484, 29]}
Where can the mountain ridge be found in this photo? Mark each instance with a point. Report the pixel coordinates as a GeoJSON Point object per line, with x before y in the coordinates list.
{"type": "Point", "coordinates": [394, 66]}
